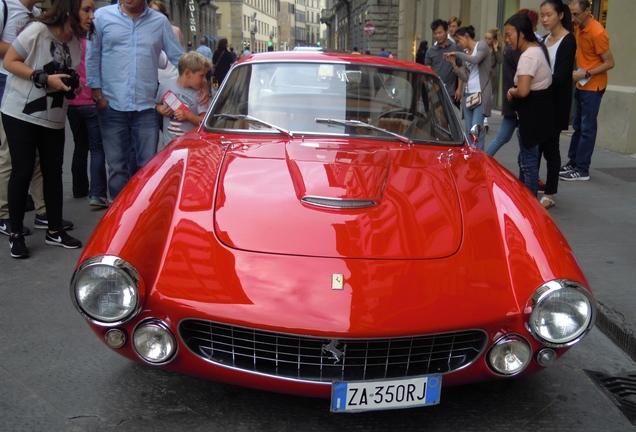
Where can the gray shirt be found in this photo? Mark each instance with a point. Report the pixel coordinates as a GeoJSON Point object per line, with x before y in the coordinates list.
{"type": "Point", "coordinates": [435, 60]}
{"type": "Point", "coordinates": [173, 128]}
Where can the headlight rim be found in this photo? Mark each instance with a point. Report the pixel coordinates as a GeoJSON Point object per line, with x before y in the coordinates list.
{"type": "Point", "coordinates": [546, 290]}
{"type": "Point", "coordinates": [502, 340]}
{"type": "Point", "coordinates": [121, 264]}
{"type": "Point", "coordinates": [159, 323]}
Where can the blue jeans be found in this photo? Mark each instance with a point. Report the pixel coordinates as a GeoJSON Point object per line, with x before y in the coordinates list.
{"type": "Point", "coordinates": [584, 123]}
{"type": "Point", "coordinates": [529, 167]}
{"type": "Point", "coordinates": [473, 117]}
{"type": "Point", "coordinates": [508, 126]}
{"type": "Point", "coordinates": [123, 132]}
{"type": "Point", "coordinates": [87, 137]}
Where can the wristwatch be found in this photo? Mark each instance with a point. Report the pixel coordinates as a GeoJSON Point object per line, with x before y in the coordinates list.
{"type": "Point", "coordinates": [98, 98]}
{"type": "Point", "coordinates": [587, 74]}
{"type": "Point", "coordinates": [39, 78]}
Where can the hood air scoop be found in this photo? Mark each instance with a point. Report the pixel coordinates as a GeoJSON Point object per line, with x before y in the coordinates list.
{"type": "Point", "coordinates": [338, 203]}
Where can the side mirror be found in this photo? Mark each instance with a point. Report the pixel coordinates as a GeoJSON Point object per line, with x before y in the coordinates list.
{"type": "Point", "coordinates": [475, 132]}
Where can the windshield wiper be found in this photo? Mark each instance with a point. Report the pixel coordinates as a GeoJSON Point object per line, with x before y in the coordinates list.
{"type": "Point", "coordinates": [251, 119]}
{"type": "Point", "coordinates": [358, 123]}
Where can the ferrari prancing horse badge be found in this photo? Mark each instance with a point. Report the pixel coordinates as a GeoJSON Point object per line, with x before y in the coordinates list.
{"type": "Point", "coordinates": [337, 281]}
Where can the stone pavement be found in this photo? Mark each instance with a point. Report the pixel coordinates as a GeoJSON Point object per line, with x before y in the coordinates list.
{"type": "Point", "coordinates": [598, 218]}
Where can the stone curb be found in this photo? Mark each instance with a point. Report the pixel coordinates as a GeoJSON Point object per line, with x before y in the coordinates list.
{"type": "Point", "coordinates": [612, 324]}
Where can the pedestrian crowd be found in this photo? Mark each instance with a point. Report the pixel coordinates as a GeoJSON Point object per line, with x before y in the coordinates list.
{"type": "Point", "coordinates": [537, 77]}
{"type": "Point", "coordinates": [120, 76]}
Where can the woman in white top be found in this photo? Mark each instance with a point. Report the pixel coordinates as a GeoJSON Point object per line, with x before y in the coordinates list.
{"type": "Point", "coordinates": [475, 73]}
{"type": "Point", "coordinates": [531, 97]}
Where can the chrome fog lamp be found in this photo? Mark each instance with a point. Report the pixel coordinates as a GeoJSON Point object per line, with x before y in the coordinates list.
{"type": "Point", "coordinates": [105, 289]}
{"type": "Point", "coordinates": [510, 355]}
{"type": "Point", "coordinates": [154, 342]}
{"type": "Point", "coordinates": [563, 312]}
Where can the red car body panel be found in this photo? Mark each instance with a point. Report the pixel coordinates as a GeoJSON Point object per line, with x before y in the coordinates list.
{"type": "Point", "coordinates": [215, 226]}
{"type": "Point", "coordinates": [418, 215]}
{"type": "Point", "coordinates": [168, 233]}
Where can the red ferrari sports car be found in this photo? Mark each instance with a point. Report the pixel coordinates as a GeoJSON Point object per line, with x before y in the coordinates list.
{"type": "Point", "coordinates": [329, 231]}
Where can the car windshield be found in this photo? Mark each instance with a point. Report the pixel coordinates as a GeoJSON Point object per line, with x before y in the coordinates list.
{"type": "Point", "coordinates": [305, 98]}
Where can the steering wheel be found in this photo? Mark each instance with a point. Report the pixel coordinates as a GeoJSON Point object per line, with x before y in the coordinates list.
{"type": "Point", "coordinates": [408, 132]}
{"type": "Point", "coordinates": [397, 113]}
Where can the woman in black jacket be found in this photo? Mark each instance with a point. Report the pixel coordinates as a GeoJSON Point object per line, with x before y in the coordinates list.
{"type": "Point", "coordinates": [222, 61]}
{"type": "Point", "coordinates": [561, 45]}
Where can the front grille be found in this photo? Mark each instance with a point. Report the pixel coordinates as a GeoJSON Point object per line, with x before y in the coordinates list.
{"type": "Point", "coordinates": [325, 360]}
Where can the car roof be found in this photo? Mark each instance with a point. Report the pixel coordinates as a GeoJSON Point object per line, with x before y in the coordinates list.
{"type": "Point", "coordinates": [333, 56]}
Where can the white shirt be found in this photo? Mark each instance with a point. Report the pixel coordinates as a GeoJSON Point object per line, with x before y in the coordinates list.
{"type": "Point", "coordinates": [17, 17]}
{"type": "Point", "coordinates": [473, 85]}
{"type": "Point", "coordinates": [22, 99]}
{"type": "Point", "coordinates": [552, 51]}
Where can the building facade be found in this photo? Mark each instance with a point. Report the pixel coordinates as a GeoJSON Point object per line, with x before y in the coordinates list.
{"type": "Point", "coordinates": [299, 23]}
{"type": "Point", "coordinates": [400, 25]}
{"type": "Point", "coordinates": [369, 25]}
{"type": "Point", "coordinates": [244, 23]}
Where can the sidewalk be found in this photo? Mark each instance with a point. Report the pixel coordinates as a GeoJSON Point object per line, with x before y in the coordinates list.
{"type": "Point", "coordinates": [598, 218]}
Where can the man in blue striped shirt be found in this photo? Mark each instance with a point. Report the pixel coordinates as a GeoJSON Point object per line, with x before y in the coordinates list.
{"type": "Point", "coordinates": [121, 69]}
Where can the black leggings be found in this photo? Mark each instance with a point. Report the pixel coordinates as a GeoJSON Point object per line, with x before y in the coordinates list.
{"type": "Point", "coordinates": [24, 139]}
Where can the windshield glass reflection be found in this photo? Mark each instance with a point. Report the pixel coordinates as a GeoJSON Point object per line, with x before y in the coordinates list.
{"type": "Point", "coordinates": [289, 97]}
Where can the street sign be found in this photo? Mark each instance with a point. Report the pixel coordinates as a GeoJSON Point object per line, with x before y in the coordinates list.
{"type": "Point", "coordinates": [369, 28]}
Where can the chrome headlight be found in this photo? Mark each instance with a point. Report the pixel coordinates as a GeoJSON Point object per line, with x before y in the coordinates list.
{"type": "Point", "coordinates": [154, 342]}
{"type": "Point", "coordinates": [510, 355]}
{"type": "Point", "coordinates": [106, 289]}
{"type": "Point", "coordinates": [563, 311]}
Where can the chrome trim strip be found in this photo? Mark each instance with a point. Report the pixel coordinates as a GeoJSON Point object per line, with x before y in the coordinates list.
{"type": "Point", "coordinates": [338, 203]}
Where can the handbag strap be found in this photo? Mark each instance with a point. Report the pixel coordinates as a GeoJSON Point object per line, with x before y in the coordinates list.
{"type": "Point", "coordinates": [219, 59]}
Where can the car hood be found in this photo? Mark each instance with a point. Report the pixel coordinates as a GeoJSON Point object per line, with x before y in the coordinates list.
{"type": "Point", "coordinates": [338, 199]}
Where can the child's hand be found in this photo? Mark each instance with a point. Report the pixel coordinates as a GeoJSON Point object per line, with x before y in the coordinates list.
{"type": "Point", "coordinates": [180, 115]}
{"type": "Point", "coordinates": [164, 110]}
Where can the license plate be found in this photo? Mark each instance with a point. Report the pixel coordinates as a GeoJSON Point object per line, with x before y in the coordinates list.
{"type": "Point", "coordinates": [385, 394]}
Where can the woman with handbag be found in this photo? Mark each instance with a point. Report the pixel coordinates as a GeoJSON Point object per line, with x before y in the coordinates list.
{"type": "Point", "coordinates": [531, 97]}
{"type": "Point", "coordinates": [221, 61]}
{"type": "Point", "coordinates": [475, 73]}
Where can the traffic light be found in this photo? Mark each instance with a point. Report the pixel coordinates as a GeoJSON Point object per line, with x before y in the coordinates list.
{"type": "Point", "coordinates": [270, 46]}
{"type": "Point", "coordinates": [318, 43]}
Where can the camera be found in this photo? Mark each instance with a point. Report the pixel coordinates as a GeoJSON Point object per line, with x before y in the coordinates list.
{"type": "Point", "coordinates": [73, 81]}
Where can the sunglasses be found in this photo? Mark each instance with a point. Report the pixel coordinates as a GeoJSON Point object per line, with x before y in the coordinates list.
{"type": "Point", "coordinates": [578, 14]}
